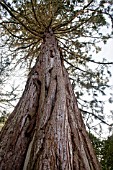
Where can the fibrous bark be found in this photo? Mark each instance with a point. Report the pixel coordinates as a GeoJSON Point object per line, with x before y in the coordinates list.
{"type": "Point", "coordinates": [46, 130]}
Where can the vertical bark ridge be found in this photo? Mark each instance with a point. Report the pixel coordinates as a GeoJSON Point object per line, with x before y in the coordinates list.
{"type": "Point", "coordinates": [46, 130]}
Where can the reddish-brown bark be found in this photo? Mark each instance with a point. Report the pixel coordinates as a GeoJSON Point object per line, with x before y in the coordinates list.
{"type": "Point", "coordinates": [46, 130]}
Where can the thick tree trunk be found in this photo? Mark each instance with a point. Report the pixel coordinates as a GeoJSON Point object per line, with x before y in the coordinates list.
{"type": "Point", "coordinates": [46, 130]}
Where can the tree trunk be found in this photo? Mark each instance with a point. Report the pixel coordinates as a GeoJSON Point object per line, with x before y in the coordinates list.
{"type": "Point", "coordinates": [46, 130]}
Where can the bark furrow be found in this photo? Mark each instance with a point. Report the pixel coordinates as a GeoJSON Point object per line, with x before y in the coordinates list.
{"type": "Point", "coordinates": [46, 130]}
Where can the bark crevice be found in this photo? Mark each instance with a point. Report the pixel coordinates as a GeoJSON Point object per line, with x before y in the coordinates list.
{"type": "Point", "coordinates": [46, 130]}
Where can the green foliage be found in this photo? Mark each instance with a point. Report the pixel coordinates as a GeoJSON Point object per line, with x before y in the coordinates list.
{"type": "Point", "coordinates": [4, 67]}
{"type": "Point", "coordinates": [97, 145]}
{"type": "Point", "coordinates": [104, 151]}
{"type": "Point", "coordinates": [107, 154]}
{"type": "Point", "coordinates": [3, 117]}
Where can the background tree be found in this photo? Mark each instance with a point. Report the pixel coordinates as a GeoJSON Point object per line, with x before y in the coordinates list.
{"type": "Point", "coordinates": [53, 31]}
{"type": "Point", "coordinates": [107, 154]}
{"type": "Point", "coordinates": [97, 144]}
{"type": "Point", "coordinates": [104, 151]}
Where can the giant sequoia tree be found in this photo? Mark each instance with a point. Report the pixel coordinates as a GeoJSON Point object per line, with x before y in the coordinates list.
{"type": "Point", "coordinates": [46, 130]}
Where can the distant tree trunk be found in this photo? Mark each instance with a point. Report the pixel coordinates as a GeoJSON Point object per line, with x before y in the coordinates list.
{"type": "Point", "coordinates": [46, 130]}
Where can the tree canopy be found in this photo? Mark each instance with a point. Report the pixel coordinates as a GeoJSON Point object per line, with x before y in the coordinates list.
{"type": "Point", "coordinates": [78, 25]}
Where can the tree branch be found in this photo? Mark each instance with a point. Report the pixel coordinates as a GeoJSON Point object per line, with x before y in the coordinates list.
{"type": "Point", "coordinates": [74, 66]}
{"type": "Point", "coordinates": [34, 13]}
{"type": "Point", "coordinates": [88, 4]}
{"type": "Point", "coordinates": [84, 111]}
{"type": "Point", "coordinates": [90, 60]}
{"type": "Point", "coordinates": [6, 7]}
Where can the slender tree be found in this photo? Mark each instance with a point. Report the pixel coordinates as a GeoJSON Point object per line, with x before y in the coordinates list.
{"type": "Point", "coordinates": [46, 130]}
